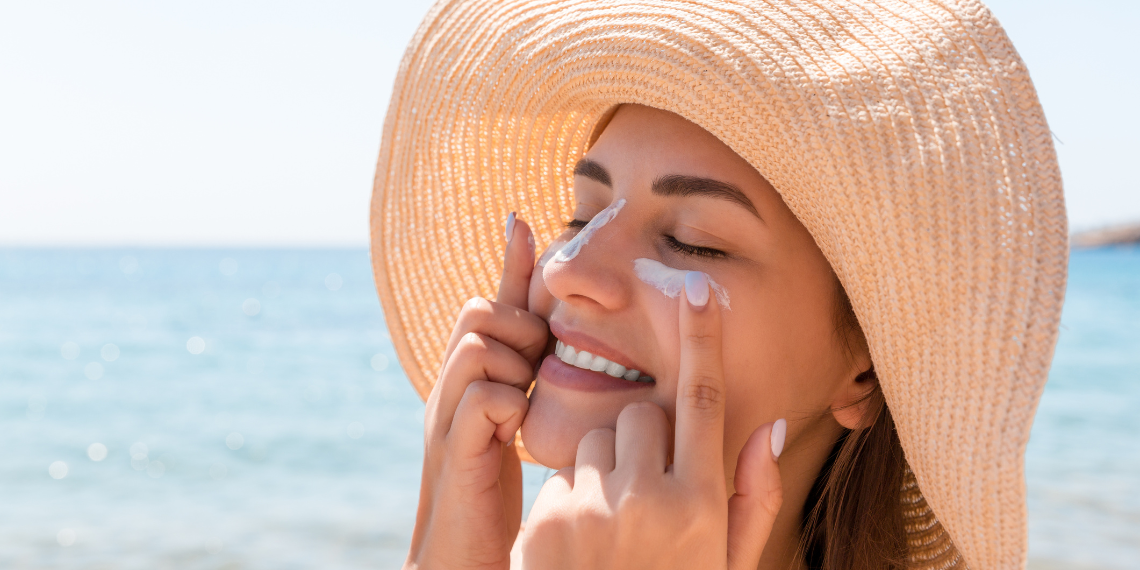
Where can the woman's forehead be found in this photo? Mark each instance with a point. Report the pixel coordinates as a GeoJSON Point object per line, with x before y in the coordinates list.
{"type": "Point", "coordinates": [673, 156]}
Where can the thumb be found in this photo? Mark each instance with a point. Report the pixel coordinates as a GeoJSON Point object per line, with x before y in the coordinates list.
{"type": "Point", "coordinates": [759, 494]}
{"type": "Point", "coordinates": [518, 264]}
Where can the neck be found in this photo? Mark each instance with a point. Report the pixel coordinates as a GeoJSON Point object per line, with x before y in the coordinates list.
{"type": "Point", "coordinates": [800, 465]}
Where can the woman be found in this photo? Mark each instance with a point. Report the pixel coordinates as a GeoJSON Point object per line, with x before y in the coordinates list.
{"type": "Point", "coordinates": [800, 307]}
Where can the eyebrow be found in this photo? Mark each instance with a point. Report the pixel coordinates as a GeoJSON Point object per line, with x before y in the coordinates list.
{"type": "Point", "coordinates": [674, 185]}
{"type": "Point", "coordinates": [593, 171]}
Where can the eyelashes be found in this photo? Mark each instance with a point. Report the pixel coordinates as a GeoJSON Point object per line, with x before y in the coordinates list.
{"type": "Point", "coordinates": [671, 242]}
{"type": "Point", "coordinates": [686, 249]}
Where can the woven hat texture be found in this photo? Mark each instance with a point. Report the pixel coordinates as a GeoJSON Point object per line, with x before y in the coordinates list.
{"type": "Point", "coordinates": [905, 135]}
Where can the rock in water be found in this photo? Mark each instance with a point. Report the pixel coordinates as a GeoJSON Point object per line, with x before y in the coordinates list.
{"type": "Point", "coordinates": [1116, 235]}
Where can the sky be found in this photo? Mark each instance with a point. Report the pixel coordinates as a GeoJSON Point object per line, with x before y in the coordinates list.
{"type": "Point", "coordinates": [250, 123]}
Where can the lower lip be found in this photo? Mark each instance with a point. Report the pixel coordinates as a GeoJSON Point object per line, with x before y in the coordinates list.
{"type": "Point", "coordinates": [563, 375]}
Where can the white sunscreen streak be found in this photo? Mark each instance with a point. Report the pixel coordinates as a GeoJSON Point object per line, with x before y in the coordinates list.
{"type": "Point", "coordinates": [671, 282]}
{"type": "Point", "coordinates": [571, 249]}
{"type": "Point", "coordinates": [550, 251]}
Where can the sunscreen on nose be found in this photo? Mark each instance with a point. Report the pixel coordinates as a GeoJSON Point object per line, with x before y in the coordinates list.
{"type": "Point", "coordinates": [550, 252]}
{"type": "Point", "coordinates": [670, 282]}
{"type": "Point", "coordinates": [574, 246]}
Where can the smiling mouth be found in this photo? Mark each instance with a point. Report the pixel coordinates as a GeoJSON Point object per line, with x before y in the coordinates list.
{"type": "Point", "coordinates": [586, 361]}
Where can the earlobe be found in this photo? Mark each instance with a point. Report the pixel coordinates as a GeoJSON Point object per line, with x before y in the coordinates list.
{"type": "Point", "coordinates": [853, 398]}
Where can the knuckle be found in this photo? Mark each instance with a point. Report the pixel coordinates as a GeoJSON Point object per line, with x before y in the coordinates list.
{"type": "Point", "coordinates": [476, 304]}
{"type": "Point", "coordinates": [773, 501]}
{"type": "Point", "coordinates": [471, 343]}
{"type": "Point", "coordinates": [597, 437]}
{"type": "Point", "coordinates": [478, 392]}
{"type": "Point", "coordinates": [593, 519]}
{"type": "Point", "coordinates": [520, 401]}
{"type": "Point", "coordinates": [704, 393]}
{"type": "Point", "coordinates": [474, 312]}
{"type": "Point", "coordinates": [566, 474]}
{"type": "Point", "coordinates": [639, 497]}
{"type": "Point", "coordinates": [640, 414]}
{"type": "Point", "coordinates": [549, 528]}
{"type": "Point", "coordinates": [637, 409]}
{"type": "Point", "coordinates": [470, 348]}
{"type": "Point", "coordinates": [514, 398]}
{"type": "Point", "coordinates": [702, 339]}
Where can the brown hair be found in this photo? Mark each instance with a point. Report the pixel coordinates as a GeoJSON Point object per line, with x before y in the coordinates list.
{"type": "Point", "coordinates": [853, 515]}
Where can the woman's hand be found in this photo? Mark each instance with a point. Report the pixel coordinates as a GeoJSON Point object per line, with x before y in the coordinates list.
{"type": "Point", "coordinates": [471, 490]}
{"type": "Point", "coordinates": [623, 506]}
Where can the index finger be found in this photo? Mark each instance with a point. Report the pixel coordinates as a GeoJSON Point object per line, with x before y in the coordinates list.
{"type": "Point", "coordinates": [518, 264]}
{"type": "Point", "coordinates": [699, 445]}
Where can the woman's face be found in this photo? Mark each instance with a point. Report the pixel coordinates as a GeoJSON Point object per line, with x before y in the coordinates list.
{"type": "Point", "coordinates": [691, 203]}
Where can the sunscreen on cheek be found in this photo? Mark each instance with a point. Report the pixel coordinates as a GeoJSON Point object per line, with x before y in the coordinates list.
{"type": "Point", "coordinates": [670, 282]}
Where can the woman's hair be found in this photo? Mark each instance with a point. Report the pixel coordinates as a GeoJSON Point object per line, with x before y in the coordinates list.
{"type": "Point", "coordinates": [853, 515]}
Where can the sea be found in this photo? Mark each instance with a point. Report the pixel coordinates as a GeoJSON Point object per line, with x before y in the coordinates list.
{"type": "Point", "coordinates": [244, 409]}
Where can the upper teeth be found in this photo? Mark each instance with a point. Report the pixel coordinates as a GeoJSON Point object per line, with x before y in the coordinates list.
{"type": "Point", "coordinates": [585, 360]}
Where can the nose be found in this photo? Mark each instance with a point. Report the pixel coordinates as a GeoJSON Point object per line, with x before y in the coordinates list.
{"type": "Point", "coordinates": [597, 277]}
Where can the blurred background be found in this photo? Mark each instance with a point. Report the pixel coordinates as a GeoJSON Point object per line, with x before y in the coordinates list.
{"type": "Point", "coordinates": [194, 367]}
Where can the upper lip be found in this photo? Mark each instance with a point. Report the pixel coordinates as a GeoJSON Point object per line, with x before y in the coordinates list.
{"type": "Point", "coordinates": [581, 341]}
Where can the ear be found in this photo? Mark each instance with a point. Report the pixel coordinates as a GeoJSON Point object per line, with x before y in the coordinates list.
{"type": "Point", "coordinates": [852, 397]}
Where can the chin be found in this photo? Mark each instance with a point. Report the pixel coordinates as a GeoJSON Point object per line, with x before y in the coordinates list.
{"type": "Point", "coordinates": [549, 435]}
{"type": "Point", "coordinates": [553, 428]}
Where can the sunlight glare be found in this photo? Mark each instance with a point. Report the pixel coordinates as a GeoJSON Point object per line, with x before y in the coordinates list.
{"type": "Point", "coordinates": [234, 441]}
{"type": "Point", "coordinates": [379, 362]}
{"type": "Point", "coordinates": [69, 350]}
{"type": "Point", "coordinates": [97, 452]}
{"type": "Point", "coordinates": [57, 470]}
{"type": "Point", "coordinates": [251, 307]}
{"type": "Point", "coordinates": [195, 345]}
{"type": "Point", "coordinates": [109, 352]}
{"type": "Point", "coordinates": [93, 371]}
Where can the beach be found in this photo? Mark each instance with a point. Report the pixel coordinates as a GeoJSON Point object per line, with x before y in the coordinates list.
{"type": "Point", "coordinates": [211, 408]}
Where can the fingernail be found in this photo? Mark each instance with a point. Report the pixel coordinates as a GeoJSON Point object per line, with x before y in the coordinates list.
{"type": "Point", "coordinates": [779, 432]}
{"type": "Point", "coordinates": [510, 227]}
{"type": "Point", "coordinates": [697, 288]}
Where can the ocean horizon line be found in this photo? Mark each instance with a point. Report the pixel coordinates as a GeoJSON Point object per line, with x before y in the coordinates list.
{"type": "Point", "coordinates": [184, 247]}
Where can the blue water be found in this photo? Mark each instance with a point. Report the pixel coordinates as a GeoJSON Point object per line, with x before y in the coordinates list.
{"type": "Point", "coordinates": [292, 440]}
{"type": "Point", "coordinates": [1083, 460]}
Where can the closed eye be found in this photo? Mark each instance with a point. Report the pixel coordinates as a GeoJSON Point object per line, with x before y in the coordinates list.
{"type": "Point", "coordinates": [686, 249]}
{"type": "Point", "coordinates": [673, 243]}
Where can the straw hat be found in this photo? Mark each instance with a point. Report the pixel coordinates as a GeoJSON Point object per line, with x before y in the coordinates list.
{"type": "Point", "coordinates": [905, 135]}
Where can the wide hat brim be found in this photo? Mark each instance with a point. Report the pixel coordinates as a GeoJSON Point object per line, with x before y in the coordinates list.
{"type": "Point", "coordinates": [906, 136]}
